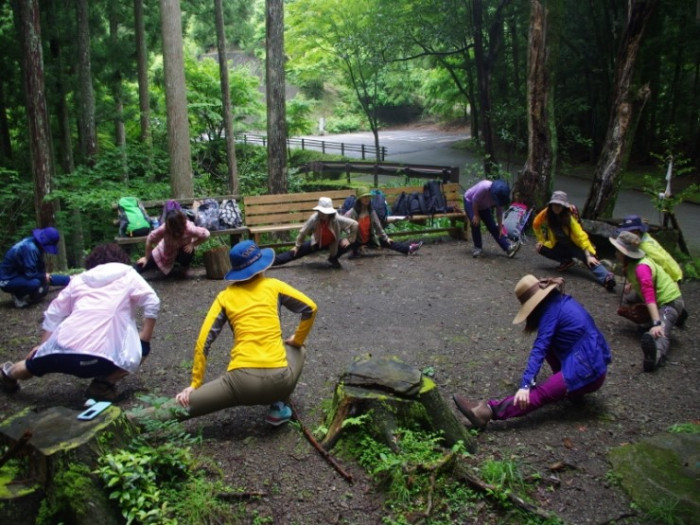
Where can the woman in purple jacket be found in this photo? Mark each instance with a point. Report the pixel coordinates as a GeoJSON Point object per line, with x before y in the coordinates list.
{"type": "Point", "coordinates": [480, 201]}
{"type": "Point", "coordinates": [567, 338]}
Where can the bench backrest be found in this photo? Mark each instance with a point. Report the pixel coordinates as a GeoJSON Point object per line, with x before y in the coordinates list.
{"type": "Point", "coordinates": [289, 208]}
{"type": "Point", "coordinates": [453, 193]}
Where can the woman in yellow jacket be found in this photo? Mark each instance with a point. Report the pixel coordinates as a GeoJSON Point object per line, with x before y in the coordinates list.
{"type": "Point", "coordinates": [560, 237]}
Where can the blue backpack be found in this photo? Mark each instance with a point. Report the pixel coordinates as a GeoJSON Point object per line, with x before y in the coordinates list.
{"type": "Point", "coordinates": [434, 197]}
{"type": "Point", "coordinates": [380, 205]}
{"type": "Point", "coordinates": [348, 204]}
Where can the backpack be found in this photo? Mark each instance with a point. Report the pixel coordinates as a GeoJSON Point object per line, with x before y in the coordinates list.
{"type": "Point", "coordinates": [400, 207]}
{"type": "Point", "coordinates": [169, 206]}
{"type": "Point", "coordinates": [416, 204]}
{"type": "Point", "coordinates": [348, 204]}
{"type": "Point", "coordinates": [207, 214]}
{"type": "Point", "coordinates": [133, 219]}
{"type": "Point", "coordinates": [434, 197]}
{"type": "Point", "coordinates": [230, 215]}
{"type": "Point", "coordinates": [380, 205]}
{"type": "Point", "coordinates": [515, 220]}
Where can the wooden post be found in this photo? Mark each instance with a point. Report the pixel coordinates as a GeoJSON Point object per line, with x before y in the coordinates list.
{"type": "Point", "coordinates": [216, 262]}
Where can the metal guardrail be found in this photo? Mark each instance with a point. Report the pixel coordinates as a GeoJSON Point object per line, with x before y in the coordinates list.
{"type": "Point", "coordinates": [323, 146]}
{"type": "Point", "coordinates": [426, 171]}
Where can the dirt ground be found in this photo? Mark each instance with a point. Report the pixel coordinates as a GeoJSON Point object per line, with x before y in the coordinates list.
{"type": "Point", "coordinates": [439, 309]}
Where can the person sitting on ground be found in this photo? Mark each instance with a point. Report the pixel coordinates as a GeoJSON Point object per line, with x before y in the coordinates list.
{"type": "Point", "coordinates": [89, 330]}
{"type": "Point", "coordinates": [567, 338]}
{"type": "Point", "coordinates": [23, 269]}
{"type": "Point", "coordinates": [660, 292]}
{"type": "Point", "coordinates": [172, 242]}
{"type": "Point", "coordinates": [480, 201]}
{"type": "Point", "coordinates": [264, 368]}
{"type": "Point", "coordinates": [370, 231]}
{"type": "Point", "coordinates": [324, 227]}
{"type": "Point", "coordinates": [561, 237]}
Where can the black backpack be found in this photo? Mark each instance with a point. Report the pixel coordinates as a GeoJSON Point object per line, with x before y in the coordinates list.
{"type": "Point", "coordinates": [400, 207]}
{"type": "Point", "coordinates": [434, 197]}
{"type": "Point", "coordinates": [416, 204]}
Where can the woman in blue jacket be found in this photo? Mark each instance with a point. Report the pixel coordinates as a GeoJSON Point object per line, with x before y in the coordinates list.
{"type": "Point", "coordinates": [567, 338]}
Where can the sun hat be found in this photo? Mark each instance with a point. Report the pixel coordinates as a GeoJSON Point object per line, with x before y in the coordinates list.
{"type": "Point", "coordinates": [560, 197]}
{"type": "Point", "coordinates": [248, 260]}
{"type": "Point", "coordinates": [530, 291]}
{"type": "Point", "coordinates": [47, 238]}
{"type": "Point", "coordinates": [325, 205]}
{"type": "Point", "coordinates": [633, 223]}
{"type": "Point", "coordinates": [500, 191]}
{"type": "Point", "coordinates": [363, 192]}
{"type": "Point", "coordinates": [628, 243]}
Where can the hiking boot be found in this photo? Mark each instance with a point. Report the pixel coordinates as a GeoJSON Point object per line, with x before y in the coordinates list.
{"type": "Point", "coordinates": [101, 390]}
{"type": "Point", "coordinates": [682, 318]}
{"type": "Point", "coordinates": [8, 384]}
{"type": "Point", "coordinates": [565, 265]}
{"type": "Point", "coordinates": [278, 414]}
{"type": "Point", "coordinates": [20, 302]}
{"type": "Point", "coordinates": [610, 283]}
{"type": "Point", "coordinates": [651, 353]}
{"type": "Point", "coordinates": [479, 415]}
{"type": "Point", "coordinates": [476, 253]}
{"type": "Point", "coordinates": [513, 249]}
{"type": "Point", "coordinates": [414, 247]}
{"type": "Point", "coordinates": [334, 262]}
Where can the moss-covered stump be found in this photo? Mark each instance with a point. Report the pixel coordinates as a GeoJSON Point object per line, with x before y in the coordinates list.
{"type": "Point", "coordinates": [393, 395]}
{"type": "Point", "coordinates": [51, 455]}
{"type": "Point", "coordinates": [661, 474]}
{"type": "Point", "coordinates": [217, 262]}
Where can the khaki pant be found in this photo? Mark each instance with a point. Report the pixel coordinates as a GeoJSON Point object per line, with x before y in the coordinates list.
{"type": "Point", "coordinates": [249, 386]}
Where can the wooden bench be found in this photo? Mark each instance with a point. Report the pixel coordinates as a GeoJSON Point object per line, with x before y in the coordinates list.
{"type": "Point", "coordinates": [155, 209]}
{"type": "Point", "coordinates": [288, 213]}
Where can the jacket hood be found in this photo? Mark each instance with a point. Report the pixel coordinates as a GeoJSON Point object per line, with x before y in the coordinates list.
{"type": "Point", "coordinates": [105, 274]}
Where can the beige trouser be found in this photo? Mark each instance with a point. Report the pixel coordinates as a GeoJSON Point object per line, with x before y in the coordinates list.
{"type": "Point", "coordinates": [249, 386]}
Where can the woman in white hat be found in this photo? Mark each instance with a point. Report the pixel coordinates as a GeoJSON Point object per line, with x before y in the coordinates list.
{"type": "Point", "coordinates": [264, 368]}
{"type": "Point", "coordinates": [325, 228]}
{"type": "Point", "coordinates": [560, 237]}
{"type": "Point", "coordinates": [567, 338]}
{"type": "Point", "coordinates": [660, 292]}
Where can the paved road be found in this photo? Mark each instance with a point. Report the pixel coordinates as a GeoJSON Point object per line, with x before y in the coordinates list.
{"type": "Point", "coordinates": [435, 147]}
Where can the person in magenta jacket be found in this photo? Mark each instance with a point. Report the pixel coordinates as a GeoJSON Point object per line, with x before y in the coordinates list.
{"type": "Point", "coordinates": [567, 338]}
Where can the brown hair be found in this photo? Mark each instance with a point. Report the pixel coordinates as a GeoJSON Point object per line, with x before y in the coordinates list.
{"type": "Point", "coordinates": [175, 222]}
{"type": "Point", "coordinates": [106, 253]}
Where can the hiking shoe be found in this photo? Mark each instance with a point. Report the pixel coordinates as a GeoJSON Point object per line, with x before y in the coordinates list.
{"type": "Point", "coordinates": [513, 249]}
{"type": "Point", "coordinates": [682, 318]}
{"type": "Point", "coordinates": [610, 283]}
{"type": "Point", "coordinates": [334, 262]}
{"type": "Point", "coordinates": [414, 247]}
{"type": "Point", "coordinates": [20, 302]}
{"type": "Point", "coordinates": [278, 414]}
{"type": "Point", "coordinates": [479, 415]}
{"type": "Point", "coordinates": [7, 384]}
{"type": "Point", "coordinates": [101, 390]}
{"type": "Point", "coordinates": [565, 265]}
{"type": "Point", "coordinates": [476, 253]}
{"type": "Point", "coordinates": [651, 354]}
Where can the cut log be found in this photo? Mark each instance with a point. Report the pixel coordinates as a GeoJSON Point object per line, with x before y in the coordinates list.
{"type": "Point", "coordinates": [392, 395]}
{"type": "Point", "coordinates": [217, 262]}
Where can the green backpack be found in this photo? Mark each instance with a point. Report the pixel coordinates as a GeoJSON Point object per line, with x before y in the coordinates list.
{"type": "Point", "coordinates": [133, 219]}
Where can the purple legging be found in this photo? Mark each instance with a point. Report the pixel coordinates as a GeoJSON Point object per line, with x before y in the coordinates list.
{"type": "Point", "coordinates": [553, 389]}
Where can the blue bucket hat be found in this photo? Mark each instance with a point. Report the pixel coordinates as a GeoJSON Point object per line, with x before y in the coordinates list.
{"type": "Point", "coordinates": [632, 223]}
{"type": "Point", "coordinates": [47, 239]}
{"type": "Point", "coordinates": [247, 260]}
{"type": "Point", "coordinates": [500, 191]}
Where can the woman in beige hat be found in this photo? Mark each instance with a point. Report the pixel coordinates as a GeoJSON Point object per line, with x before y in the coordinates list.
{"type": "Point", "coordinates": [567, 338]}
{"type": "Point", "coordinates": [560, 237]}
{"type": "Point", "coordinates": [659, 291]}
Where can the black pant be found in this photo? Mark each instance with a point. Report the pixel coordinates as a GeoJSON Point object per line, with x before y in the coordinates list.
{"type": "Point", "coordinates": [304, 250]}
{"type": "Point", "coordinates": [401, 247]}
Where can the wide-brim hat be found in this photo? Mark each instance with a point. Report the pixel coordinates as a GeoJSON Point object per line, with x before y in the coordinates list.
{"type": "Point", "coordinates": [633, 223]}
{"type": "Point", "coordinates": [363, 192]}
{"type": "Point", "coordinates": [248, 260]}
{"type": "Point", "coordinates": [325, 205]}
{"type": "Point", "coordinates": [530, 291]}
{"type": "Point", "coordinates": [560, 197]}
{"type": "Point", "coordinates": [628, 243]}
{"type": "Point", "coordinates": [48, 239]}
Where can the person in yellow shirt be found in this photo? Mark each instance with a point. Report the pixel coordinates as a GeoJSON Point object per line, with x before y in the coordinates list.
{"type": "Point", "coordinates": [264, 368]}
{"type": "Point", "coordinates": [560, 237]}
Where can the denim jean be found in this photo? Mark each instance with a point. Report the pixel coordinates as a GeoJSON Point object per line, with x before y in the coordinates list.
{"type": "Point", "coordinates": [486, 217]}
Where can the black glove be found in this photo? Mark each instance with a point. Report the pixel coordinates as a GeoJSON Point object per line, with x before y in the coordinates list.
{"type": "Point", "coordinates": [145, 348]}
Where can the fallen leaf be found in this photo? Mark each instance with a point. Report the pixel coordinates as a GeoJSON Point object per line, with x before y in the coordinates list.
{"type": "Point", "coordinates": [568, 443]}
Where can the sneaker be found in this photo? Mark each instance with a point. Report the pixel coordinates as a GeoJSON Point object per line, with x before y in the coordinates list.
{"type": "Point", "coordinates": [513, 249]}
{"type": "Point", "coordinates": [278, 414]}
{"type": "Point", "coordinates": [610, 283]}
{"type": "Point", "coordinates": [566, 265]}
{"type": "Point", "coordinates": [101, 390]}
{"type": "Point", "coordinates": [476, 253]}
{"type": "Point", "coordinates": [7, 384]}
{"type": "Point", "coordinates": [651, 354]}
{"type": "Point", "coordinates": [334, 262]}
{"type": "Point", "coordinates": [414, 247]}
{"type": "Point", "coordinates": [20, 302]}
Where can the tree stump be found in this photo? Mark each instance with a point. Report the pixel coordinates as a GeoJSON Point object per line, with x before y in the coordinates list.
{"type": "Point", "coordinates": [47, 444]}
{"type": "Point", "coordinates": [217, 262]}
{"type": "Point", "coordinates": [394, 395]}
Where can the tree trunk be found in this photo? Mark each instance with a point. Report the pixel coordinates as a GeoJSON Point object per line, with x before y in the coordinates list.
{"type": "Point", "coordinates": [534, 183]}
{"type": "Point", "coordinates": [116, 85]}
{"type": "Point", "coordinates": [176, 101]}
{"type": "Point", "coordinates": [87, 132]}
{"type": "Point", "coordinates": [484, 87]}
{"type": "Point", "coordinates": [226, 99]}
{"type": "Point", "coordinates": [142, 73]}
{"type": "Point", "coordinates": [275, 89]}
{"type": "Point", "coordinates": [5, 140]}
{"type": "Point", "coordinates": [603, 193]}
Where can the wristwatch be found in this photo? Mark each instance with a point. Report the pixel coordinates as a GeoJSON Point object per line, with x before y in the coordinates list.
{"type": "Point", "coordinates": [657, 323]}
